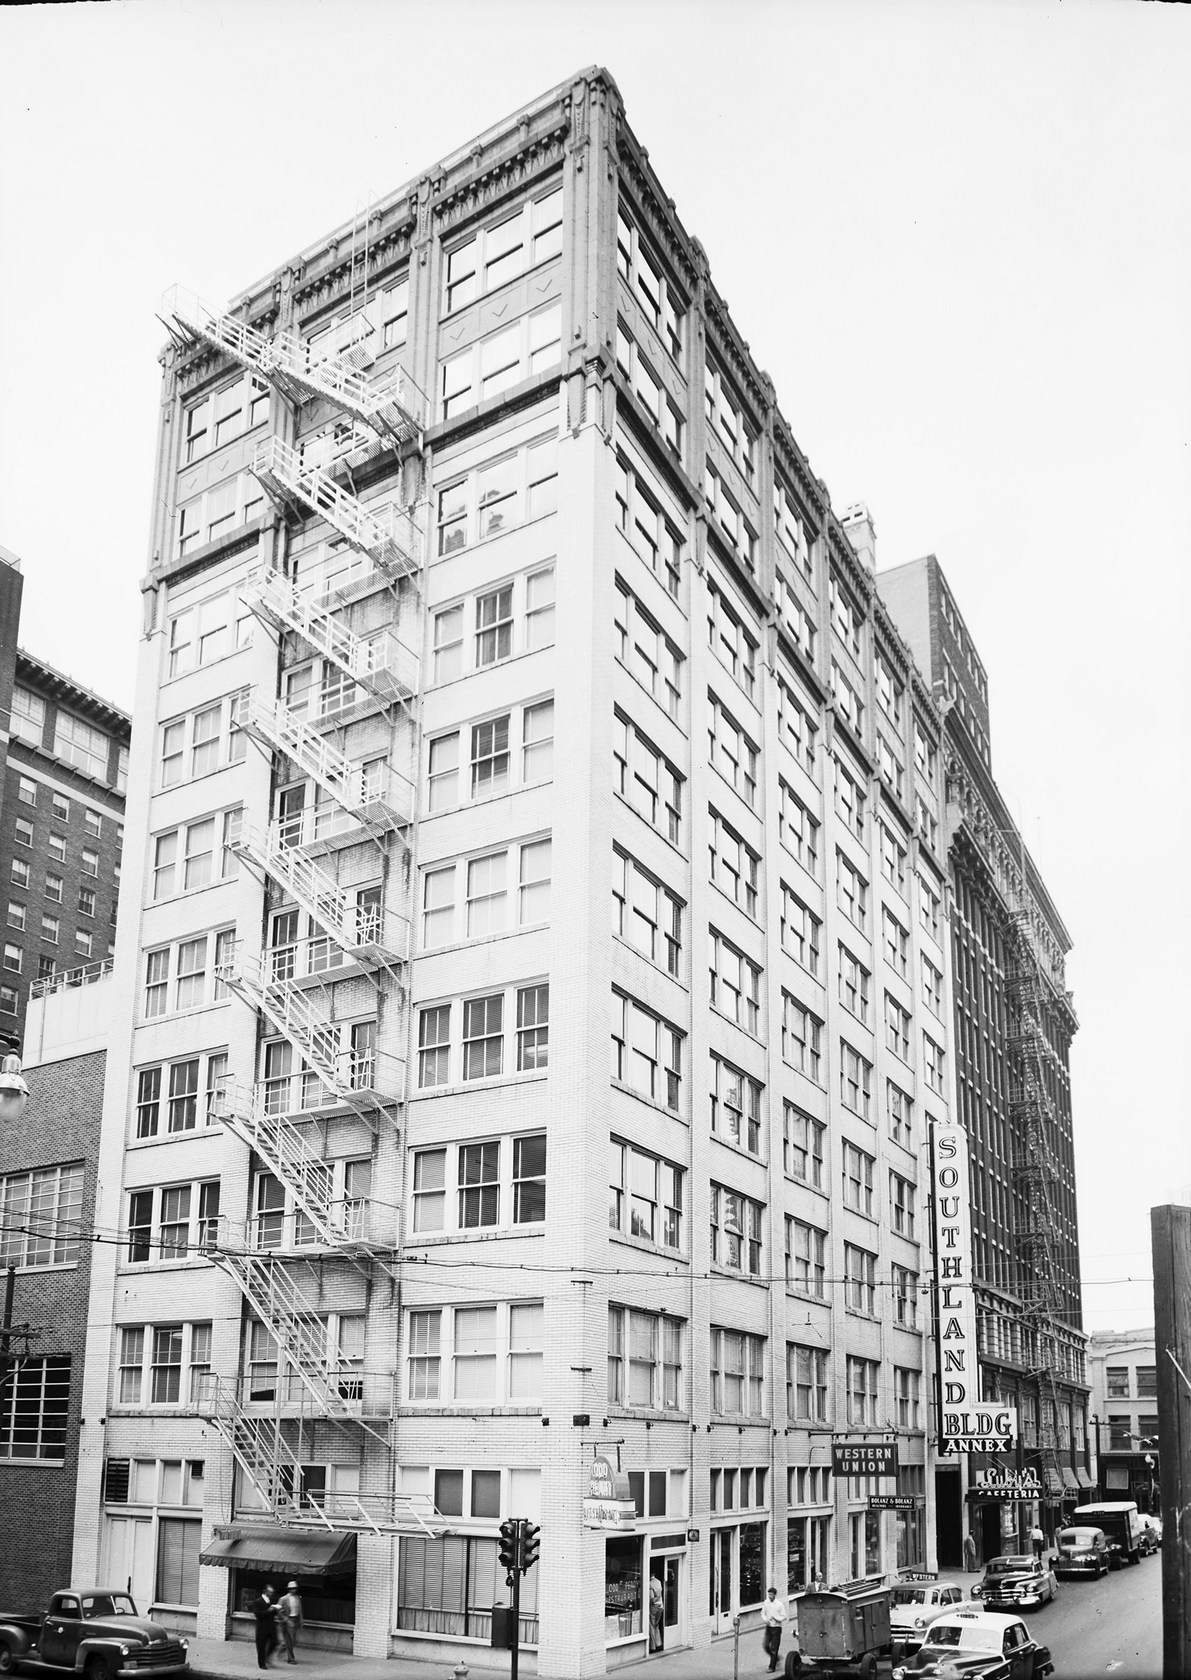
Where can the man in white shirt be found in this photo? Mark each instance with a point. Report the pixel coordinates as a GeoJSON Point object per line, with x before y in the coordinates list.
{"type": "Point", "coordinates": [773, 1614]}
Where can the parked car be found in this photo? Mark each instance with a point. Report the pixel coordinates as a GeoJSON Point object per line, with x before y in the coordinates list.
{"type": "Point", "coordinates": [972, 1642]}
{"type": "Point", "coordinates": [1081, 1551]}
{"type": "Point", "coordinates": [1118, 1520]}
{"type": "Point", "coordinates": [93, 1631]}
{"type": "Point", "coordinates": [1149, 1534]}
{"type": "Point", "coordinates": [914, 1605]}
{"type": "Point", "coordinates": [1018, 1581]}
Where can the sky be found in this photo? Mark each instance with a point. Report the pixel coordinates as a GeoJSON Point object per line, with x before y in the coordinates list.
{"type": "Point", "coordinates": [956, 234]}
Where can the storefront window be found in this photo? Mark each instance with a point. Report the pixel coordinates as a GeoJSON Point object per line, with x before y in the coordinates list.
{"type": "Point", "coordinates": [450, 1585]}
{"type": "Point", "coordinates": [752, 1563]}
{"type": "Point", "coordinates": [622, 1587]}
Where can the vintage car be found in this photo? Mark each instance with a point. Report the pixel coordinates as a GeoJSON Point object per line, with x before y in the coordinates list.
{"type": "Point", "coordinates": [914, 1605]}
{"type": "Point", "coordinates": [92, 1631]}
{"type": "Point", "coordinates": [1082, 1551]}
{"type": "Point", "coordinates": [1018, 1581]}
{"type": "Point", "coordinates": [977, 1643]}
{"type": "Point", "coordinates": [1149, 1534]}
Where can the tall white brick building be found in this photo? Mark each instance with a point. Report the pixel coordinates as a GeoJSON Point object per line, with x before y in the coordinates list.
{"type": "Point", "coordinates": [529, 1030]}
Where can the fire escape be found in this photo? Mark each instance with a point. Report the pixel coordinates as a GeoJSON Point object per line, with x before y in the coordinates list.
{"type": "Point", "coordinates": [1036, 1176]}
{"type": "Point", "coordinates": [360, 802]}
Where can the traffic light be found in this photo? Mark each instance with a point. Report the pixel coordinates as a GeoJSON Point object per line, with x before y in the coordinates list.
{"type": "Point", "coordinates": [509, 1551]}
{"type": "Point", "coordinates": [529, 1544]}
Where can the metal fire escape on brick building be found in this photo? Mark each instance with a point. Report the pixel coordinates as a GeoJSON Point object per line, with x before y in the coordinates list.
{"type": "Point", "coordinates": [291, 987]}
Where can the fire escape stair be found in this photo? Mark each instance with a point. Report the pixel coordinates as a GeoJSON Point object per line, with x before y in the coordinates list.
{"type": "Point", "coordinates": [388, 535]}
{"type": "Point", "coordinates": [375, 804]}
{"type": "Point", "coordinates": [380, 664]}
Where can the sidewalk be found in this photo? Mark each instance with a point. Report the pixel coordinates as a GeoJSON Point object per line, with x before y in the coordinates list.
{"type": "Point", "coordinates": [217, 1659]}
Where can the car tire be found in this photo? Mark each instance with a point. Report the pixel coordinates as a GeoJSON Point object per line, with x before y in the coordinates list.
{"type": "Point", "coordinates": [8, 1660]}
{"type": "Point", "coordinates": [98, 1668]}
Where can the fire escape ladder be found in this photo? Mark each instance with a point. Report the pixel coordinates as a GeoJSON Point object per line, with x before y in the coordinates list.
{"type": "Point", "coordinates": [366, 932]}
{"type": "Point", "coordinates": [286, 1151]}
{"type": "Point", "coordinates": [300, 1335]}
{"type": "Point", "coordinates": [381, 664]}
{"type": "Point", "coordinates": [259, 1446]}
{"type": "Point", "coordinates": [377, 796]}
{"type": "Point", "coordinates": [389, 404]}
{"type": "Point", "coordinates": [387, 534]}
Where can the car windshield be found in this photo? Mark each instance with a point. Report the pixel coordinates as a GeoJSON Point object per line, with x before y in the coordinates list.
{"type": "Point", "coordinates": [1007, 1565]}
{"type": "Point", "coordinates": [1078, 1536]}
{"type": "Point", "coordinates": [948, 1635]}
{"type": "Point", "coordinates": [107, 1604]}
{"type": "Point", "coordinates": [909, 1595]}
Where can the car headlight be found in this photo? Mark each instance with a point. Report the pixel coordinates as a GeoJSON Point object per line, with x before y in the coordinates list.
{"type": "Point", "coordinates": [125, 1650]}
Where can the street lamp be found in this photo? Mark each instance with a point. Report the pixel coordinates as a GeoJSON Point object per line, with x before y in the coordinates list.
{"type": "Point", "coordinates": [14, 1093]}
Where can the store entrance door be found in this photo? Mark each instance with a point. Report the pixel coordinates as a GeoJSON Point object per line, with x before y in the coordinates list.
{"type": "Point", "coordinates": [721, 1579]}
{"type": "Point", "coordinates": [665, 1602]}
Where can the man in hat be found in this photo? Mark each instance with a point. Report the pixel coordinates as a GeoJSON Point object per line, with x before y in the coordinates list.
{"type": "Point", "coordinates": [289, 1618]}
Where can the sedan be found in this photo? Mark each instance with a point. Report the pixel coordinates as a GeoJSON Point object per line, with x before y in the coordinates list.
{"type": "Point", "coordinates": [1018, 1581]}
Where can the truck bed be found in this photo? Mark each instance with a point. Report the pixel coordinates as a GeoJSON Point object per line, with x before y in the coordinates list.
{"type": "Point", "coordinates": [10, 1618]}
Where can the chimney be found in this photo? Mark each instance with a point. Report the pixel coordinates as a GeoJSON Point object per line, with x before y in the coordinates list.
{"type": "Point", "coordinates": [861, 533]}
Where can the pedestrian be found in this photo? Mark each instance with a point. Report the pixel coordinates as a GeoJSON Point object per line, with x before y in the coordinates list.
{"type": "Point", "coordinates": [264, 1612]}
{"type": "Point", "coordinates": [969, 1552]}
{"type": "Point", "coordinates": [773, 1614]}
{"type": "Point", "coordinates": [289, 1618]}
{"type": "Point", "coordinates": [1037, 1541]}
{"type": "Point", "coordinates": [657, 1614]}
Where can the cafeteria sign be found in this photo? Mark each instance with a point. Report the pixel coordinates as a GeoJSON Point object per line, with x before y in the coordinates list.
{"type": "Point", "coordinates": [1011, 1486]}
{"type": "Point", "coordinates": [864, 1458]}
{"type": "Point", "coordinates": [608, 1502]}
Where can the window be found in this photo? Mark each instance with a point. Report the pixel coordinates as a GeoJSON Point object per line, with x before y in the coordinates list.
{"type": "Point", "coordinates": [470, 1186]}
{"type": "Point", "coordinates": [86, 901]}
{"type": "Point", "coordinates": [650, 288]}
{"type": "Point", "coordinates": [196, 855]}
{"type": "Point", "coordinates": [8, 1000]}
{"type": "Point", "coordinates": [855, 1080]}
{"type": "Point", "coordinates": [863, 1377]}
{"type": "Point", "coordinates": [645, 913]}
{"type": "Point", "coordinates": [797, 829]}
{"type": "Point", "coordinates": [932, 1064]}
{"type": "Point", "coordinates": [735, 983]}
{"type": "Point", "coordinates": [16, 914]}
{"type": "Point", "coordinates": [929, 907]}
{"type": "Point", "coordinates": [503, 890]}
{"type": "Point", "coordinates": [212, 516]}
{"type": "Point", "coordinates": [161, 1364]}
{"type": "Point", "coordinates": [932, 987]}
{"type": "Point", "coordinates": [806, 1384]}
{"type": "Point", "coordinates": [802, 1145]}
{"type": "Point", "coordinates": [731, 751]}
{"type": "Point", "coordinates": [19, 870]}
{"type": "Point", "coordinates": [533, 1030]}
{"type": "Point", "coordinates": [56, 846]}
{"type": "Point", "coordinates": [901, 1115]}
{"type": "Point", "coordinates": [735, 866]}
{"type": "Point", "coordinates": [1147, 1381]}
{"type": "Point", "coordinates": [483, 1355]}
{"type": "Point", "coordinates": [732, 644]}
{"type": "Point", "coordinates": [799, 731]}
{"type": "Point", "coordinates": [729, 519]}
{"type": "Point", "coordinates": [81, 744]}
{"type": "Point", "coordinates": [494, 625]}
{"type": "Point", "coordinates": [652, 536]}
{"type": "Point", "coordinates": [49, 928]}
{"type": "Point", "coordinates": [23, 832]}
{"type": "Point", "coordinates": [796, 619]}
{"type": "Point", "coordinates": [860, 1280]}
{"type": "Point", "coordinates": [925, 823]}
{"type": "Point", "coordinates": [737, 1373]}
{"type": "Point", "coordinates": [897, 1028]}
{"type": "Point", "coordinates": [40, 1216]}
{"type": "Point", "coordinates": [889, 765]}
{"type": "Point", "coordinates": [896, 942]}
{"type": "Point", "coordinates": [537, 751]}
{"type": "Point", "coordinates": [646, 1052]}
{"type": "Point", "coordinates": [847, 619]}
{"type": "Point", "coordinates": [854, 985]}
{"type": "Point", "coordinates": [645, 1360]}
{"type": "Point", "coordinates": [494, 255]}
{"type": "Point", "coordinates": [488, 1024]}
{"type": "Point", "coordinates": [27, 791]}
{"type": "Point", "coordinates": [527, 346]}
{"type": "Point", "coordinates": [12, 958]}
{"type": "Point", "coordinates": [849, 800]}
{"type": "Point", "coordinates": [905, 1298]}
{"type": "Point", "coordinates": [847, 699]}
{"type": "Point", "coordinates": [645, 1196]}
{"type": "Point", "coordinates": [46, 967]}
{"type": "Point", "coordinates": [28, 715]}
{"type": "Point", "coordinates": [735, 1231]}
{"type": "Point", "coordinates": [802, 1038]}
{"type": "Point", "coordinates": [901, 1205]}
{"type": "Point", "coordinates": [483, 1036]}
{"type": "Point", "coordinates": [735, 1106]}
{"type": "Point", "coordinates": [647, 387]}
{"type": "Point", "coordinates": [1116, 1379]}
{"type": "Point", "coordinates": [806, 1266]}
{"type": "Point", "coordinates": [223, 415]}
{"type": "Point", "coordinates": [647, 652]}
{"type": "Point", "coordinates": [646, 779]}
{"type": "Point", "coordinates": [202, 741]}
{"type": "Point", "coordinates": [851, 891]}
{"type": "Point", "coordinates": [83, 942]}
{"type": "Point", "coordinates": [791, 529]}
{"type": "Point", "coordinates": [493, 497]}
{"type": "Point", "coordinates": [168, 1094]}
{"type": "Point", "coordinates": [194, 965]}
{"type": "Point", "coordinates": [893, 858]}
{"type": "Point", "coordinates": [726, 420]}
{"type": "Point", "coordinates": [203, 633]}
{"type": "Point", "coordinates": [926, 754]}
{"type": "Point", "coordinates": [801, 931]}
{"type": "Point", "coordinates": [858, 1168]}
{"type": "Point", "coordinates": [34, 1404]}
{"type": "Point", "coordinates": [178, 1220]}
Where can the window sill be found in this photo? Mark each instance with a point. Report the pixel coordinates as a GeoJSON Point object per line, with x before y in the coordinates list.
{"type": "Point", "coordinates": [480, 938]}
{"type": "Point", "coordinates": [627, 945]}
{"type": "Point", "coordinates": [729, 1273]}
{"type": "Point", "coordinates": [208, 665]}
{"type": "Point", "coordinates": [651, 1414]}
{"type": "Point", "coordinates": [495, 1233]}
{"type": "Point", "coordinates": [492, 1082]}
{"type": "Point", "coordinates": [643, 1245]}
{"type": "Point", "coordinates": [485, 799]}
{"type": "Point", "coordinates": [664, 838]}
{"type": "Point", "coordinates": [650, 1102]}
{"type": "Point", "coordinates": [483, 542]}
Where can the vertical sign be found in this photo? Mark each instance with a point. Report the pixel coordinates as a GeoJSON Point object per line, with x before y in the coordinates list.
{"type": "Point", "coordinates": [965, 1424]}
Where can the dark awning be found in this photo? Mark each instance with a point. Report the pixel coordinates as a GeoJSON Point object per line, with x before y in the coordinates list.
{"type": "Point", "coordinates": [1083, 1478]}
{"type": "Point", "coordinates": [1070, 1479]}
{"type": "Point", "coordinates": [283, 1551]}
{"type": "Point", "coordinates": [1054, 1482]}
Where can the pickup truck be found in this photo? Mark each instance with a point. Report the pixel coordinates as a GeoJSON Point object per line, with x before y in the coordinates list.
{"type": "Point", "coordinates": [93, 1631]}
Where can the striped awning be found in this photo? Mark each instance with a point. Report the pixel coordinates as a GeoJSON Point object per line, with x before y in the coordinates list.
{"type": "Point", "coordinates": [1070, 1479]}
{"type": "Point", "coordinates": [1054, 1482]}
{"type": "Point", "coordinates": [282, 1551]}
{"type": "Point", "coordinates": [1082, 1477]}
